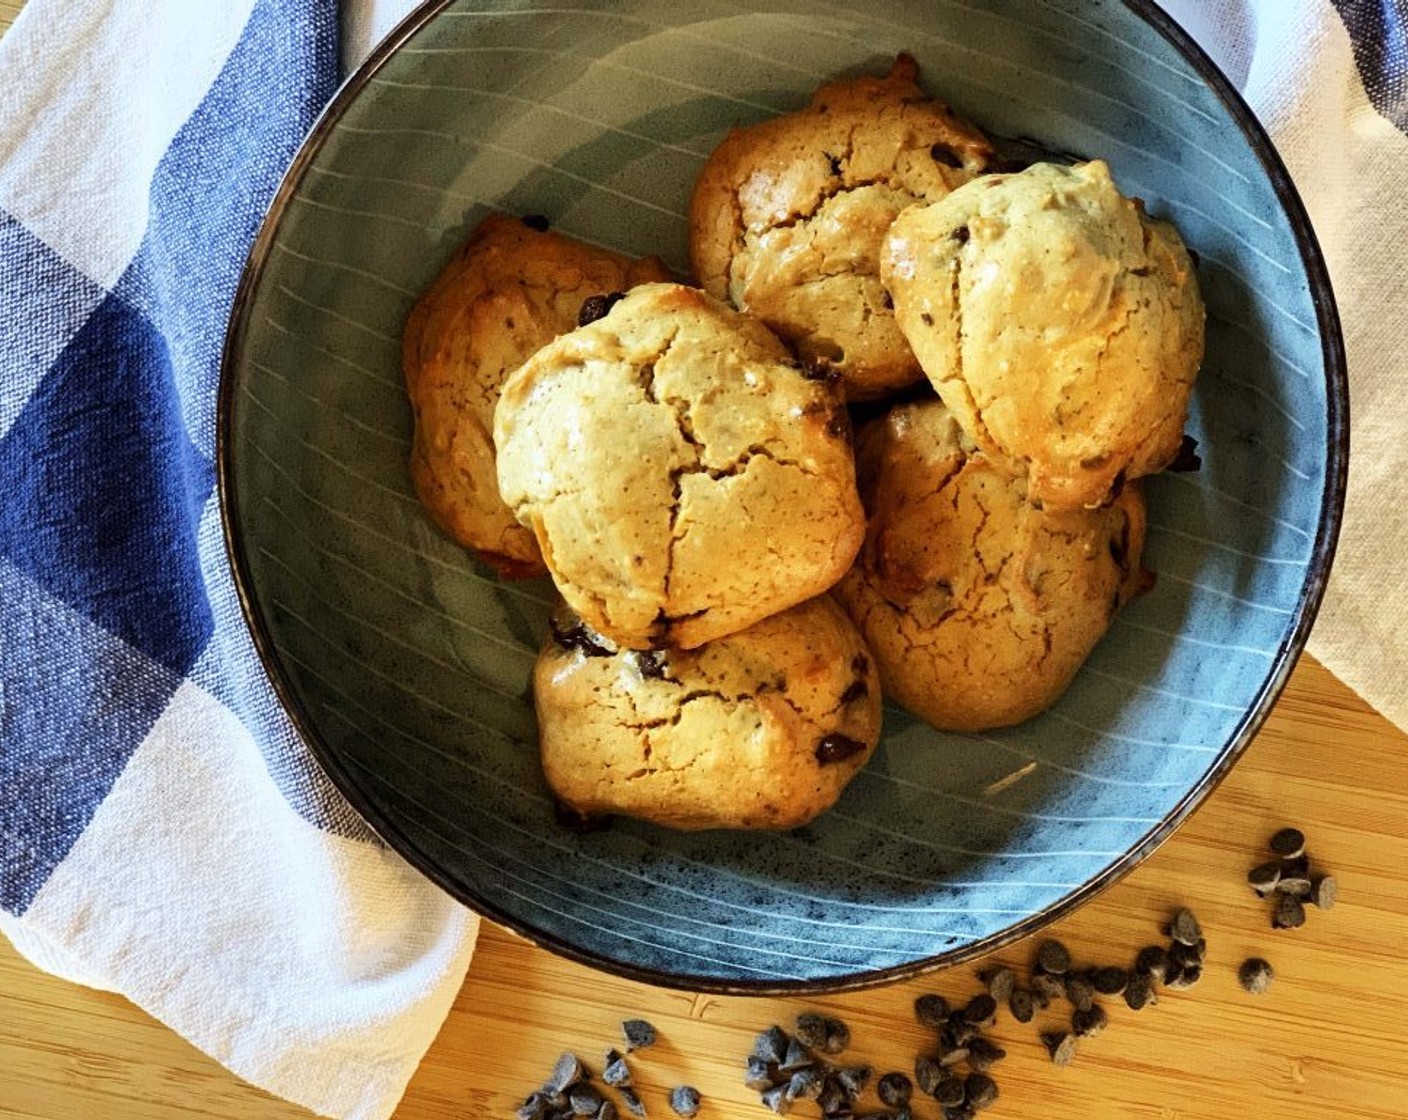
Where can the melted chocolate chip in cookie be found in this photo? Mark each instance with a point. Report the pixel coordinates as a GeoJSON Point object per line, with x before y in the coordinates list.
{"type": "Point", "coordinates": [837, 748]}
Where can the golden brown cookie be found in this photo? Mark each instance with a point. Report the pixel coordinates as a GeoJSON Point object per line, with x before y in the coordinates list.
{"type": "Point", "coordinates": [762, 729]}
{"type": "Point", "coordinates": [511, 288]}
{"type": "Point", "coordinates": [978, 605]}
{"type": "Point", "coordinates": [1061, 324]}
{"type": "Point", "coordinates": [788, 216]}
{"type": "Point", "coordinates": [682, 476]}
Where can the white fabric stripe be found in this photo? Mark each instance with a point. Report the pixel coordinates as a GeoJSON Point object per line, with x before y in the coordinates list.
{"type": "Point", "coordinates": [1351, 167]}
{"type": "Point", "coordinates": [317, 968]}
{"type": "Point", "coordinates": [79, 179]}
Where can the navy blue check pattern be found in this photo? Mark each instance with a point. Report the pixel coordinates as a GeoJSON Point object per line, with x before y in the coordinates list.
{"type": "Point", "coordinates": [114, 588]}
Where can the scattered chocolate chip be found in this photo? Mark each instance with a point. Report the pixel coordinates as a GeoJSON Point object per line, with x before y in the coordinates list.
{"type": "Point", "coordinates": [607, 1111]}
{"type": "Point", "coordinates": [1089, 1021]}
{"type": "Point", "coordinates": [598, 307]}
{"type": "Point", "coordinates": [771, 1045]}
{"type": "Point", "coordinates": [756, 1076]}
{"type": "Point", "coordinates": [577, 636]}
{"type": "Point", "coordinates": [926, 318]}
{"type": "Point", "coordinates": [832, 1100]}
{"type": "Point", "coordinates": [1184, 928]}
{"type": "Point", "coordinates": [853, 1079]}
{"type": "Point", "coordinates": [639, 1034]}
{"type": "Point", "coordinates": [1152, 961]}
{"type": "Point", "coordinates": [961, 234]}
{"type": "Point", "coordinates": [950, 1092]}
{"type": "Point", "coordinates": [534, 1107]}
{"type": "Point", "coordinates": [806, 1084]}
{"type": "Point", "coordinates": [888, 302]}
{"type": "Point", "coordinates": [1185, 956]}
{"type": "Point", "coordinates": [964, 1111]}
{"type": "Point", "coordinates": [1187, 459]}
{"type": "Point", "coordinates": [1110, 980]}
{"type": "Point", "coordinates": [535, 222]}
{"type": "Point", "coordinates": [1296, 868]}
{"type": "Point", "coordinates": [980, 1010]}
{"type": "Point", "coordinates": [1255, 975]}
{"type": "Point", "coordinates": [584, 1099]}
{"type": "Point", "coordinates": [957, 1030]}
{"type": "Point", "coordinates": [775, 1099]}
{"type": "Point", "coordinates": [1288, 843]}
{"type": "Point", "coordinates": [1000, 982]}
{"type": "Point", "coordinates": [1021, 1004]}
{"type": "Point", "coordinates": [941, 153]}
{"type": "Point", "coordinates": [1139, 992]}
{"type": "Point", "coordinates": [1290, 913]}
{"type": "Point", "coordinates": [835, 162]}
{"type": "Point", "coordinates": [927, 1075]}
{"type": "Point", "coordinates": [797, 1056]}
{"type": "Point", "coordinates": [855, 691]}
{"type": "Point", "coordinates": [979, 1090]}
{"type": "Point", "coordinates": [953, 1056]}
{"type": "Point", "coordinates": [983, 1055]}
{"type": "Point", "coordinates": [1080, 991]}
{"type": "Point", "coordinates": [837, 748]}
{"type": "Point", "coordinates": [567, 1070]}
{"type": "Point", "coordinates": [1264, 877]}
{"type": "Point", "coordinates": [931, 1011]}
{"type": "Point", "coordinates": [1053, 957]}
{"type": "Point", "coordinates": [684, 1099]}
{"type": "Point", "coordinates": [1183, 978]}
{"type": "Point", "coordinates": [650, 663]}
{"type": "Point", "coordinates": [1046, 987]}
{"type": "Point", "coordinates": [1061, 1045]}
{"type": "Point", "coordinates": [1298, 887]}
{"type": "Point", "coordinates": [1324, 889]}
{"type": "Point", "coordinates": [811, 1028]}
{"type": "Point", "coordinates": [838, 1037]}
{"type": "Point", "coordinates": [631, 1099]}
{"type": "Point", "coordinates": [894, 1089]}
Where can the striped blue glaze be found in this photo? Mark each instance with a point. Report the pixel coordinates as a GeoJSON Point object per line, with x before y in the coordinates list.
{"type": "Point", "coordinates": [409, 664]}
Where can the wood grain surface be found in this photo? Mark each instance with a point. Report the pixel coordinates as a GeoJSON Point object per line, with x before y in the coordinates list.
{"type": "Point", "coordinates": [1329, 1039]}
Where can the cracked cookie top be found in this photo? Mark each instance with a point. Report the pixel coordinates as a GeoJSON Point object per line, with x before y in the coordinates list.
{"type": "Point", "coordinates": [682, 477]}
{"type": "Point", "coordinates": [978, 604]}
{"type": "Point", "coordinates": [512, 287]}
{"type": "Point", "coordinates": [1062, 325]}
{"type": "Point", "coordinates": [761, 729]}
{"type": "Point", "coordinates": [788, 216]}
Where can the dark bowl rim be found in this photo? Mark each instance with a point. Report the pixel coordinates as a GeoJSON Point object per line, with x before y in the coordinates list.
{"type": "Point", "coordinates": [1287, 653]}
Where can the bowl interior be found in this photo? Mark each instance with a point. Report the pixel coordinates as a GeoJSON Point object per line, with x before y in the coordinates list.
{"type": "Point", "coordinates": [407, 665]}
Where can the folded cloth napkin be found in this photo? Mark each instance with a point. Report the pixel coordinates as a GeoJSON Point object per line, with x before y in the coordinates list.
{"type": "Point", "coordinates": [163, 833]}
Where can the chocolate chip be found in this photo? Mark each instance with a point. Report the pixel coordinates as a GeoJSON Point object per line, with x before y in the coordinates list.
{"type": "Point", "coordinates": [1139, 992]}
{"type": "Point", "coordinates": [1288, 843]}
{"type": "Point", "coordinates": [888, 302]}
{"type": "Point", "coordinates": [684, 1099]}
{"type": "Point", "coordinates": [931, 1011]}
{"type": "Point", "coordinates": [584, 1098]}
{"type": "Point", "coordinates": [1297, 867]}
{"type": "Point", "coordinates": [961, 234]}
{"type": "Point", "coordinates": [1080, 991]}
{"type": "Point", "coordinates": [615, 1071]}
{"type": "Point", "coordinates": [953, 1056]}
{"type": "Point", "coordinates": [1152, 961]}
{"type": "Point", "coordinates": [797, 1056]}
{"type": "Point", "coordinates": [776, 1100]}
{"type": "Point", "coordinates": [1264, 877]}
{"type": "Point", "coordinates": [631, 1099]}
{"type": "Point", "coordinates": [598, 307]}
{"type": "Point", "coordinates": [1184, 927]}
{"type": "Point", "coordinates": [941, 153]}
{"type": "Point", "coordinates": [1089, 1021]}
{"type": "Point", "coordinates": [835, 162]}
{"type": "Point", "coordinates": [1060, 1045]}
{"type": "Point", "coordinates": [926, 318]}
{"type": "Point", "coordinates": [957, 1030]}
{"type": "Point", "coordinates": [535, 222]}
{"type": "Point", "coordinates": [927, 1074]}
{"type": "Point", "coordinates": [894, 1089]}
{"type": "Point", "coordinates": [1324, 890]}
{"type": "Point", "coordinates": [577, 636]}
{"type": "Point", "coordinates": [534, 1107]}
{"type": "Point", "coordinates": [1022, 1005]}
{"type": "Point", "coordinates": [1255, 975]}
{"type": "Point", "coordinates": [1298, 887]}
{"type": "Point", "coordinates": [980, 1090]}
{"type": "Point", "coordinates": [980, 1010]}
{"type": "Point", "coordinates": [771, 1045]}
{"type": "Point", "coordinates": [1185, 956]}
{"type": "Point", "coordinates": [855, 691]}
{"type": "Point", "coordinates": [983, 1055]}
{"type": "Point", "coordinates": [1182, 978]}
{"type": "Point", "coordinates": [1000, 982]}
{"type": "Point", "coordinates": [838, 1037]}
{"type": "Point", "coordinates": [853, 1079]}
{"type": "Point", "coordinates": [964, 1111]}
{"type": "Point", "coordinates": [639, 1034]}
{"type": "Point", "coordinates": [950, 1092]}
{"type": "Point", "coordinates": [833, 1099]}
{"type": "Point", "coordinates": [607, 1111]}
{"type": "Point", "coordinates": [1053, 957]}
{"type": "Point", "coordinates": [1046, 987]}
{"type": "Point", "coordinates": [1110, 980]}
{"type": "Point", "coordinates": [1290, 913]}
{"type": "Point", "coordinates": [1187, 459]}
{"type": "Point", "coordinates": [806, 1084]}
{"type": "Point", "coordinates": [756, 1076]}
{"type": "Point", "coordinates": [650, 663]}
{"type": "Point", "coordinates": [567, 1070]}
{"type": "Point", "coordinates": [837, 748]}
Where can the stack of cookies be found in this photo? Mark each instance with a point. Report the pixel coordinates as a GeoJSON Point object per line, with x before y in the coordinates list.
{"type": "Point", "coordinates": [741, 578]}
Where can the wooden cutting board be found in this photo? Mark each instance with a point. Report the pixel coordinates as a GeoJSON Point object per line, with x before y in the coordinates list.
{"type": "Point", "coordinates": [1329, 1039]}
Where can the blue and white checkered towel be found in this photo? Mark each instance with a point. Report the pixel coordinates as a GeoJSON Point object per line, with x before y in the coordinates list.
{"type": "Point", "coordinates": [163, 832]}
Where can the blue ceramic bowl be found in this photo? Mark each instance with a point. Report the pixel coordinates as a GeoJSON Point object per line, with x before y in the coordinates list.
{"type": "Point", "coordinates": [406, 665]}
